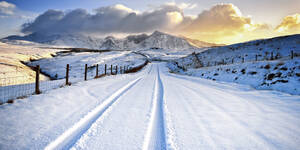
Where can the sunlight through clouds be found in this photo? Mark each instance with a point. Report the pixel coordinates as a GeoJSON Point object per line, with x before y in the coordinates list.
{"type": "Point", "coordinates": [289, 24]}
{"type": "Point", "coordinates": [223, 23]}
{"type": "Point", "coordinates": [220, 23]}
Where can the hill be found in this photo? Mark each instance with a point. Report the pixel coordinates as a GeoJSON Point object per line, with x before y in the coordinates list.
{"type": "Point", "coordinates": [263, 64]}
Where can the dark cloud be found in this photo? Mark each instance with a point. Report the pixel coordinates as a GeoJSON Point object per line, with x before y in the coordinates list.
{"type": "Point", "coordinates": [47, 20]}
{"type": "Point", "coordinates": [222, 22]}
{"type": "Point", "coordinates": [111, 19]}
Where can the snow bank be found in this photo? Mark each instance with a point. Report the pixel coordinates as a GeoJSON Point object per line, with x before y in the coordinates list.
{"type": "Point", "coordinates": [276, 75]}
{"type": "Point", "coordinates": [263, 64]}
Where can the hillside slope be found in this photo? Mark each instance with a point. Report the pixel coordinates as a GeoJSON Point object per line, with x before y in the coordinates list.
{"type": "Point", "coordinates": [263, 64]}
{"type": "Point", "coordinates": [13, 71]}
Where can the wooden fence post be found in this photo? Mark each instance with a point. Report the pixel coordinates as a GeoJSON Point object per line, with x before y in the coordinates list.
{"type": "Point", "coordinates": [97, 69]}
{"type": "Point", "coordinates": [85, 72]}
{"type": "Point", "coordinates": [256, 57]}
{"type": "Point", "coordinates": [116, 69]}
{"type": "Point", "coordinates": [111, 68]}
{"type": "Point", "coordinates": [243, 59]}
{"type": "Point", "coordinates": [121, 69]}
{"type": "Point", "coordinates": [232, 60]}
{"type": "Point", "coordinates": [105, 69]}
{"type": "Point", "coordinates": [67, 74]}
{"type": "Point", "coordinates": [37, 80]}
{"type": "Point", "coordinates": [292, 54]}
{"type": "Point", "coordinates": [272, 56]}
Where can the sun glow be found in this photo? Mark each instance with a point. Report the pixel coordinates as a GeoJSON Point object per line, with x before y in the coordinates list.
{"type": "Point", "coordinates": [175, 17]}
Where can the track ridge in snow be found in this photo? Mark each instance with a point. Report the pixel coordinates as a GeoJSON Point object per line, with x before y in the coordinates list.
{"type": "Point", "coordinates": [155, 138]}
{"type": "Point", "coordinates": [70, 136]}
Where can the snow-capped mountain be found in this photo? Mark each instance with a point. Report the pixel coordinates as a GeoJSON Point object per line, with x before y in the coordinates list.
{"type": "Point", "coordinates": [110, 43]}
{"type": "Point", "coordinates": [161, 40]}
{"type": "Point", "coordinates": [135, 42]}
{"type": "Point", "coordinates": [69, 40]}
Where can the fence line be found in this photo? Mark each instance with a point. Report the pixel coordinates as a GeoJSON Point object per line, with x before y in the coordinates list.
{"type": "Point", "coordinates": [243, 59]}
{"type": "Point", "coordinates": [18, 87]}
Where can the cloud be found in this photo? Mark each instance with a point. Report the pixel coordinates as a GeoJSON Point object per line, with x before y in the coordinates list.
{"type": "Point", "coordinates": [11, 11]}
{"type": "Point", "coordinates": [182, 5]}
{"type": "Point", "coordinates": [6, 9]}
{"type": "Point", "coordinates": [289, 24]}
{"type": "Point", "coordinates": [219, 23]}
{"type": "Point", "coordinates": [222, 21]}
{"type": "Point", "coordinates": [105, 20]}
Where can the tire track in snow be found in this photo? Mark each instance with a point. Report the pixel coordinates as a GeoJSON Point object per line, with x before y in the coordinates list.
{"type": "Point", "coordinates": [191, 111]}
{"type": "Point", "coordinates": [155, 138]}
{"type": "Point", "coordinates": [70, 136]}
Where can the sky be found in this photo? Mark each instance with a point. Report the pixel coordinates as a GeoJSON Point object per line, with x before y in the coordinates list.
{"type": "Point", "coordinates": [216, 21]}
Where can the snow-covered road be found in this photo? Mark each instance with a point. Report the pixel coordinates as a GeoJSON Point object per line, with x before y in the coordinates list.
{"type": "Point", "coordinates": [152, 109]}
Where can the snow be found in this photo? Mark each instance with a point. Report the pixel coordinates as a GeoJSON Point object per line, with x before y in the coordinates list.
{"type": "Point", "coordinates": [132, 42]}
{"type": "Point", "coordinates": [266, 75]}
{"type": "Point", "coordinates": [10, 61]}
{"type": "Point", "coordinates": [167, 55]}
{"type": "Point", "coordinates": [41, 118]}
{"type": "Point", "coordinates": [58, 40]}
{"type": "Point", "coordinates": [56, 67]}
{"type": "Point", "coordinates": [280, 73]}
{"type": "Point", "coordinates": [67, 138]}
{"type": "Point", "coordinates": [152, 109]}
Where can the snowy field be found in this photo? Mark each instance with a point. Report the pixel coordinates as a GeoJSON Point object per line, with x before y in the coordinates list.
{"type": "Point", "coordinates": [152, 109]}
{"type": "Point", "coordinates": [263, 64]}
{"type": "Point", "coordinates": [11, 66]}
{"type": "Point", "coordinates": [280, 75]}
{"type": "Point", "coordinates": [18, 80]}
{"type": "Point", "coordinates": [56, 67]}
{"type": "Point", "coordinates": [168, 54]}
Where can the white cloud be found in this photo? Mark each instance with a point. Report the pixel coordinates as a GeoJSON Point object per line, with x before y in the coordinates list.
{"type": "Point", "coordinates": [6, 9]}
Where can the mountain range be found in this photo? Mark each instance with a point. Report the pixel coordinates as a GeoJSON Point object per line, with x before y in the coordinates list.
{"type": "Point", "coordinates": [156, 40]}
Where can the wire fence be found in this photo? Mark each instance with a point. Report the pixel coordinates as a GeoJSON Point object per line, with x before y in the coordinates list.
{"type": "Point", "coordinates": [14, 87]}
{"type": "Point", "coordinates": [252, 57]}
{"type": "Point", "coordinates": [18, 87]}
